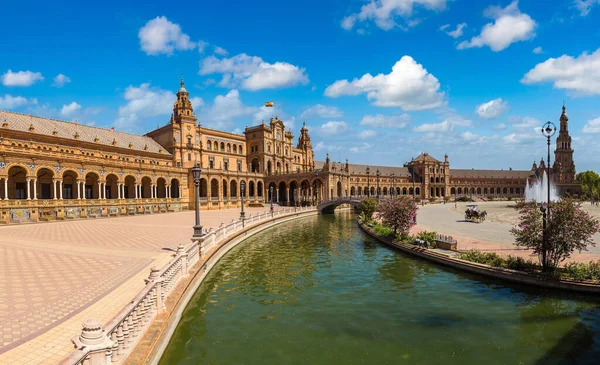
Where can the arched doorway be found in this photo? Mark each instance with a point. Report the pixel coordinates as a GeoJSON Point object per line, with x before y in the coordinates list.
{"type": "Point", "coordinates": [175, 188]}
{"type": "Point", "coordinates": [225, 185]}
{"type": "Point", "coordinates": [233, 189]}
{"type": "Point", "coordinates": [269, 168]}
{"type": "Point", "coordinates": [251, 190]}
{"type": "Point", "coordinates": [17, 183]}
{"type": "Point", "coordinates": [44, 182]}
{"type": "Point", "coordinates": [259, 189]}
{"type": "Point", "coordinates": [161, 190]}
{"type": "Point", "coordinates": [339, 188]}
{"type": "Point", "coordinates": [129, 187]}
{"type": "Point", "coordinates": [91, 185]}
{"type": "Point", "coordinates": [111, 189]}
{"type": "Point", "coordinates": [214, 189]}
{"type": "Point", "coordinates": [255, 165]}
{"type": "Point", "coordinates": [353, 191]}
{"type": "Point", "coordinates": [203, 189]}
{"type": "Point", "coordinates": [294, 194]}
{"type": "Point", "coordinates": [146, 188]}
{"type": "Point", "coordinates": [282, 193]}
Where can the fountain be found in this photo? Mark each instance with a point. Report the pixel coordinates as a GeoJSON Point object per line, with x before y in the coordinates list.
{"type": "Point", "coordinates": [538, 191]}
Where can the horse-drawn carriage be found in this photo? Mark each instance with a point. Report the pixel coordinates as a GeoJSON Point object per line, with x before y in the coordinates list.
{"type": "Point", "coordinates": [472, 214]}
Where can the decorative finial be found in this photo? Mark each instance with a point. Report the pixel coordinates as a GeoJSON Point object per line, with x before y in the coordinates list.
{"type": "Point", "coordinates": [181, 83]}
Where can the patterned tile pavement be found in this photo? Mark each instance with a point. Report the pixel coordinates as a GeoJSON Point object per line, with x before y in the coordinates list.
{"type": "Point", "coordinates": [53, 276]}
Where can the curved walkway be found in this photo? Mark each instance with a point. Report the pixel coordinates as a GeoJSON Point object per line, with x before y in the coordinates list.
{"type": "Point", "coordinates": [486, 236]}
{"type": "Point", "coordinates": [54, 276]}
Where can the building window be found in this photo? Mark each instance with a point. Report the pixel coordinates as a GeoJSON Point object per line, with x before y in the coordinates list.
{"type": "Point", "coordinates": [239, 165]}
{"type": "Point", "coordinates": [226, 165]}
{"type": "Point", "coordinates": [211, 163]}
{"type": "Point", "coordinates": [20, 190]}
{"type": "Point", "coordinates": [189, 140]}
{"type": "Point", "coordinates": [189, 156]}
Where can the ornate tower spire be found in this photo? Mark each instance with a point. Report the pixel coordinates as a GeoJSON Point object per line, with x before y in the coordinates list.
{"type": "Point", "coordinates": [563, 155]}
{"type": "Point", "coordinates": [182, 109]}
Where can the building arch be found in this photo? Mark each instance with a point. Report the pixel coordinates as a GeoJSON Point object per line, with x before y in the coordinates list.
{"type": "Point", "coordinates": [269, 167]}
{"type": "Point", "coordinates": [222, 146]}
{"type": "Point", "coordinates": [259, 189]}
{"type": "Point", "coordinates": [44, 181]}
{"type": "Point", "coordinates": [233, 189]}
{"type": "Point", "coordinates": [214, 189]}
{"type": "Point", "coordinates": [478, 191]}
{"type": "Point", "coordinates": [225, 186]}
{"type": "Point", "coordinates": [272, 192]}
{"type": "Point", "coordinates": [161, 190]}
{"type": "Point", "coordinates": [111, 187]}
{"type": "Point", "coordinates": [353, 191]}
{"type": "Point", "coordinates": [203, 188]}
{"type": "Point", "coordinates": [385, 191]}
{"type": "Point", "coordinates": [91, 188]}
{"type": "Point", "coordinates": [215, 145]}
{"type": "Point", "coordinates": [255, 165]}
{"type": "Point", "coordinates": [418, 192]}
{"type": "Point", "coordinates": [129, 186]}
{"type": "Point", "coordinates": [146, 187]}
{"type": "Point", "coordinates": [294, 194]}
{"type": "Point", "coordinates": [73, 172]}
{"type": "Point", "coordinates": [251, 189]}
{"type": "Point", "coordinates": [282, 192]}
{"type": "Point", "coordinates": [175, 188]}
{"type": "Point", "coordinates": [17, 182]}
{"type": "Point", "coordinates": [452, 191]}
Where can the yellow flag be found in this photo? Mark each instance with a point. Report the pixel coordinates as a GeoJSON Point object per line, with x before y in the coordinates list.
{"type": "Point", "coordinates": [269, 104]}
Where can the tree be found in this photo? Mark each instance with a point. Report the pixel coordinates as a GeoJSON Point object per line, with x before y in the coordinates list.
{"type": "Point", "coordinates": [398, 213]}
{"type": "Point", "coordinates": [590, 183]}
{"type": "Point", "coordinates": [367, 207]}
{"type": "Point", "coordinates": [569, 228]}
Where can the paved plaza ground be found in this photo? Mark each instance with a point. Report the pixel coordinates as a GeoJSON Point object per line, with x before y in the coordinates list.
{"type": "Point", "coordinates": [56, 275]}
{"type": "Point", "coordinates": [491, 235]}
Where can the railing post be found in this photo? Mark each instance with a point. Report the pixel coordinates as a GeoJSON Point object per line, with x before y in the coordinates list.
{"type": "Point", "coordinates": [156, 293]}
{"type": "Point", "coordinates": [184, 259]}
{"type": "Point", "coordinates": [94, 340]}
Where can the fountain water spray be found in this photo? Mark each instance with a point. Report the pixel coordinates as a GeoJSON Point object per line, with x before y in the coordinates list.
{"type": "Point", "coordinates": [538, 191]}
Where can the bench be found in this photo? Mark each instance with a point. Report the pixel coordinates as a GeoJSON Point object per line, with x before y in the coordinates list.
{"type": "Point", "coordinates": [445, 242]}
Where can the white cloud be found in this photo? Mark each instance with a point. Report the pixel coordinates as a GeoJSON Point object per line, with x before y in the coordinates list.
{"type": "Point", "coordinates": [385, 13]}
{"type": "Point", "coordinates": [320, 146]}
{"type": "Point", "coordinates": [384, 121]}
{"type": "Point", "coordinates": [524, 123]}
{"type": "Point", "coordinates": [509, 26]}
{"type": "Point", "coordinates": [520, 138]}
{"type": "Point", "coordinates": [592, 126]}
{"type": "Point", "coordinates": [333, 128]}
{"type": "Point", "coordinates": [225, 109]}
{"type": "Point", "coordinates": [9, 102]}
{"type": "Point", "coordinates": [499, 127]}
{"type": "Point", "coordinates": [584, 6]}
{"type": "Point", "coordinates": [456, 33]}
{"type": "Point", "coordinates": [69, 109]}
{"type": "Point", "coordinates": [472, 137]}
{"type": "Point", "coordinates": [21, 78]}
{"type": "Point", "coordinates": [409, 86]}
{"type": "Point", "coordinates": [441, 127]}
{"type": "Point", "coordinates": [321, 111]}
{"type": "Point", "coordinates": [60, 80]}
{"type": "Point", "coordinates": [492, 109]}
{"type": "Point", "coordinates": [538, 50]}
{"type": "Point", "coordinates": [142, 102]}
{"type": "Point", "coordinates": [221, 51]}
{"type": "Point", "coordinates": [580, 75]}
{"type": "Point", "coordinates": [363, 147]}
{"type": "Point", "coordinates": [160, 36]}
{"type": "Point", "coordinates": [367, 134]}
{"type": "Point", "coordinates": [196, 102]}
{"type": "Point", "coordinates": [252, 73]}
{"type": "Point", "coordinates": [201, 45]}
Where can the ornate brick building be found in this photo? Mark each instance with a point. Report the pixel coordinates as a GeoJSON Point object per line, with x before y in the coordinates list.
{"type": "Point", "coordinates": [51, 169]}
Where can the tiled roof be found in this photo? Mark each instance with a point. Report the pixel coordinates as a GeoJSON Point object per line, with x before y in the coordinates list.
{"type": "Point", "coordinates": [512, 174]}
{"type": "Point", "coordinates": [61, 129]}
{"type": "Point", "coordinates": [424, 157]}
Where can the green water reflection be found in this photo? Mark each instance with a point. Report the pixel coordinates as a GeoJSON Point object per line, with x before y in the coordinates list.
{"type": "Point", "coordinates": [318, 291]}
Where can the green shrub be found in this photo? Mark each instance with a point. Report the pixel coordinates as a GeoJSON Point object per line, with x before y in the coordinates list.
{"type": "Point", "coordinates": [582, 271]}
{"type": "Point", "coordinates": [463, 199]}
{"type": "Point", "coordinates": [384, 231]}
{"type": "Point", "coordinates": [427, 236]}
{"type": "Point", "coordinates": [519, 264]}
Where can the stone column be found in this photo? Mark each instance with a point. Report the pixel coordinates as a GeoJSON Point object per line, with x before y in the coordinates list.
{"type": "Point", "coordinates": [60, 189]}
{"type": "Point", "coordinates": [99, 190]}
{"type": "Point", "coordinates": [118, 190]}
{"type": "Point", "coordinates": [6, 188]}
{"type": "Point", "coordinates": [54, 186]}
{"type": "Point", "coordinates": [277, 196]}
{"type": "Point", "coordinates": [181, 191]}
{"type": "Point", "coordinates": [34, 189]}
{"type": "Point", "coordinates": [28, 188]}
{"type": "Point", "coordinates": [78, 190]}
{"type": "Point", "coordinates": [93, 339]}
{"type": "Point", "coordinates": [136, 190]}
{"type": "Point", "coordinates": [167, 191]}
{"type": "Point", "coordinates": [83, 190]}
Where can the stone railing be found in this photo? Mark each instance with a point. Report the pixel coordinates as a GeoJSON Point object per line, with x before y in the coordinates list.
{"type": "Point", "coordinates": [113, 342]}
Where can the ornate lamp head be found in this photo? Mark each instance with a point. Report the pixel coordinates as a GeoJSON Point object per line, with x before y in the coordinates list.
{"type": "Point", "coordinates": [196, 170]}
{"type": "Point", "coordinates": [548, 129]}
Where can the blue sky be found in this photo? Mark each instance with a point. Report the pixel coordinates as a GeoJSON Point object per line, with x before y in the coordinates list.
{"type": "Point", "coordinates": [376, 81]}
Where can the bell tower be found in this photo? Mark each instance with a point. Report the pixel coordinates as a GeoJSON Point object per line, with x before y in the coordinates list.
{"type": "Point", "coordinates": [563, 166]}
{"type": "Point", "coordinates": [185, 135]}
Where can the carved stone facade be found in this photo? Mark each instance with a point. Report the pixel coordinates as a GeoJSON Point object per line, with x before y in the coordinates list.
{"type": "Point", "coordinates": [51, 169]}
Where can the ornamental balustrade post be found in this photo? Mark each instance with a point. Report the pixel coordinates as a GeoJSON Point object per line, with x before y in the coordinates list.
{"type": "Point", "coordinates": [158, 288]}
{"type": "Point", "coordinates": [184, 260]}
{"type": "Point", "coordinates": [93, 339]}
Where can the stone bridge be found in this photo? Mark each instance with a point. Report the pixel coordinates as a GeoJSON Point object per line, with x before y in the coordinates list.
{"type": "Point", "coordinates": [328, 206]}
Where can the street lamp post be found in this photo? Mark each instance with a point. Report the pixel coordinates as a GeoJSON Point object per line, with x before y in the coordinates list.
{"type": "Point", "coordinates": [368, 182]}
{"type": "Point", "coordinates": [271, 189]}
{"type": "Point", "coordinates": [377, 173]}
{"type": "Point", "coordinates": [242, 192]}
{"type": "Point", "coordinates": [196, 170]}
{"type": "Point", "coordinates": [548, 131]}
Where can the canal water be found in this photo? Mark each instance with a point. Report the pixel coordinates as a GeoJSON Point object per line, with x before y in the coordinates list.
{"type": "Point", "coordinates": [319, 291]}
